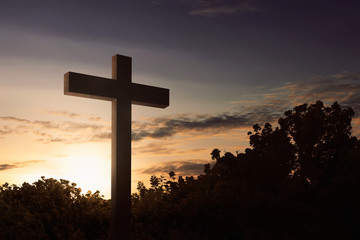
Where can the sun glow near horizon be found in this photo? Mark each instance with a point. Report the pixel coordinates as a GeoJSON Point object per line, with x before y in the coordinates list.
{"type": "Point", "coordinates": [88, 165]}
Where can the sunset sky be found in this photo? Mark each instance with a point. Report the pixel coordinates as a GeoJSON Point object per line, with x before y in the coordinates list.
{"type": "Point", "coordinates": [228, 65]}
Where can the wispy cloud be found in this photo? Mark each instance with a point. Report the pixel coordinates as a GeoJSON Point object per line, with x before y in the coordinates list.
{"type": "Point", "coordinates": [65, 114]}
{"type": "Point", "coordinates": [243, 101]}
{"type": "Point", "coordinates": [53, 131]}
{"type": "Point", "coordinates": [21, 164]}
{"type": "Point", "coordinates": [188, 167]}
{"type": "Point", "coordinates": [343, 88]}
{"type": "Point", "coordinates": [156, 148]}
{"type": "Point", "coordinates": [210, 8]}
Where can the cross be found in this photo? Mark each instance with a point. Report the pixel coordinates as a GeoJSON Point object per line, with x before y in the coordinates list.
{"type": "Point", "coordinates": [122, 93]}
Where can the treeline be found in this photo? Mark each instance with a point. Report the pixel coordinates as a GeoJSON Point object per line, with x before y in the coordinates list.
{"type": "Point", "coordinates": [300, 180]}
{"type": "Point", "coordinates": [52, 209]}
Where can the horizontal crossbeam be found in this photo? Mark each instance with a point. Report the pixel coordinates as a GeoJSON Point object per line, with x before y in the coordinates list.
{"type": "Point", "coordinates": [82, 85]}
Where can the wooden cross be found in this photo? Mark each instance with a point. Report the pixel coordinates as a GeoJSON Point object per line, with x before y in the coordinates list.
{"type": "Point", "coordinates": [122, 93]}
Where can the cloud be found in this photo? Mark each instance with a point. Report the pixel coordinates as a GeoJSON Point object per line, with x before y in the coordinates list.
{"type": "Point", "coordinates": [54, 131]}
{"type": "Point", "coordinates": [15, 119]}
{"type": "Point", "coordinates": [65, 114]}
{"type": "Point", "coordinates": [168, 127]}
{"type": "Point", "coordinates": [157, 148]}
{"type": "Point", "coordinates": [6, 166]}
{"type": "Point", "coordinates": [154, 148]}
{"type": "Point", "coordinates": [210, 8]}
{"type": "Point", "coordinates": [343, 88]}
{"type": "Point", "coordinates": [75, 115]}
{"type": "Point", "coordinates": [102, 135]}
{"type": "Point", "coordinates": [206, 124]}
{"type": "Point", "coordinates": [184, 168]}
{"type": "Point", "coordinates": [95, 119]}
{"type": "Point", "coordinates": [22, 164]}
{"type": "Point", "coordinates": [243, 101]}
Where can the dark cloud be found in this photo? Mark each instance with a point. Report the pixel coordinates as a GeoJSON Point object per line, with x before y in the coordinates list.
{"type": "Point", "coordinates": [170, 127]}
{"type": "Point", "coordinates": [209, 124]}
{"type": "Point", "coordinates": [21, 164]}
{"type": "Point", "coordinates": [6, 166]}
{"type": "Point", "coordinates": [184, 168]}
{"type": "Point", "coordinates": [14, 119]}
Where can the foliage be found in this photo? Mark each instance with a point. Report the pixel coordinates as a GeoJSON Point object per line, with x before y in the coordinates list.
{"type": "Point", "coordinates": [299, 180]}
{"type": "Point", "coordinates": [52, 209]}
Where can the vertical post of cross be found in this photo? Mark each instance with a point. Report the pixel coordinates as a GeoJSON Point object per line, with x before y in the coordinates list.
{"type": "Point", "coordinates": [121, 151]}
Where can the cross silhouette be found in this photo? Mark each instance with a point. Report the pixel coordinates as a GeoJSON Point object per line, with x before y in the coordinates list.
{"type": "Point", "coordinates": [122, 93]}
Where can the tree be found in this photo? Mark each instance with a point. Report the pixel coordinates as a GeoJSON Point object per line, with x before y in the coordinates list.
{"type": "Point", "coordinates": [321, 136]}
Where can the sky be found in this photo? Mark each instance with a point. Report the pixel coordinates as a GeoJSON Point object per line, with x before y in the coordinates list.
{"type": "Point", "coordinates": [228, 64]}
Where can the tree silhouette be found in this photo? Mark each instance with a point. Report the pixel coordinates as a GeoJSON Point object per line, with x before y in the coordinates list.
{"type": "Point", "coordinates": [52, 209]}
{"type": "Point", "coordinates": [321, 136]}
{"type": "Point", "coordinates": [297, 181]}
